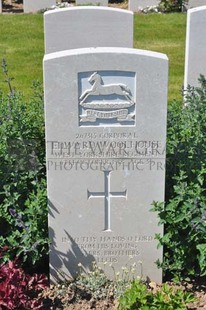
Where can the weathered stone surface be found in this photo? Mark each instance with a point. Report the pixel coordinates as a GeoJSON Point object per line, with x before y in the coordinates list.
{"type": "Point", "coordinates": [195, 59]}
{"type": "Point", "coordinates": [31, 6]}
{"type": "Point", "coordinates": [89, 26]}
{"type": "Point", "coordinates": [105, 131]}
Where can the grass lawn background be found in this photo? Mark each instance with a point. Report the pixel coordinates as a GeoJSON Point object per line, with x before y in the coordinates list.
{"type": "Point", "coordinates": [22, 45]}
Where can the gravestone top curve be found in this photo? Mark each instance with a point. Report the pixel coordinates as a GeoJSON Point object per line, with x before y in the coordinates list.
{"type": "Point", "coordinates": [102, 50]}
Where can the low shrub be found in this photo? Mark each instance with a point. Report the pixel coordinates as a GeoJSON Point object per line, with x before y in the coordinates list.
{"type": "Point", "coordinates": [138, 296]}
{"type": "Point", "coordinates": [89, 287]}
{"type": "Point", "coordinates": [19, 290]}
{"type": "Point", "coordinates": [23, 202]}
{"type": "Point", "coordinates": [184, 211]}
{"type": "Point", "coordinates": [94, 287]}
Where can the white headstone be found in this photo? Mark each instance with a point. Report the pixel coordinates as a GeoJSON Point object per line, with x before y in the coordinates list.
{"type": "Point", "coordinates": [32, 6]}
{"type": "Point", "coordinates": [195, 53]}
{"type": "Point", "coordinates": [81, 27]}
{"type": "Point", "coordinates": [92, 2]}
{"type": "Point", "coordinates": [0, 6]}
{"type": "Point", "coordinates": [138, 5]}
{"type": "Point", "coordinates": [105, 132]}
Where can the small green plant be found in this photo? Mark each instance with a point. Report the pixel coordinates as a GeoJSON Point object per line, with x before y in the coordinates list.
{"type": "Point", "coordinates": [184, 211]}
{"type": "Point", "coordinates": [138, 296]}
{"type": "Point", "coordinates": [94, 282]}
{"type": "Point", "coordinates": [97, 284]}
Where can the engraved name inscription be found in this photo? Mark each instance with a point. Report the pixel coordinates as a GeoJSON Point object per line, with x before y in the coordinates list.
{"type": "Point", "coordinates": [105, 148]}
{"type": "Point", "coordinates": [105, 155]}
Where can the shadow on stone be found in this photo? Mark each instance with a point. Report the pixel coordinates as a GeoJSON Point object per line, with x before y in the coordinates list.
{"type": "Point", "coordinates": [71, 260]}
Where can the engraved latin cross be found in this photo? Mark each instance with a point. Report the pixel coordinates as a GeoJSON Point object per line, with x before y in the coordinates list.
{"type": "Point", "coordinates": [107, 195]}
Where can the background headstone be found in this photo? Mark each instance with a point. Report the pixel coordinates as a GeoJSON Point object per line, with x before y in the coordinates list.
{"type": "Point", "coordinates": [87, 27]}
{"type": "Point", "coordinates": [92, 2]}
{"type": "Point", "coordinates": [105, 158]}
{"type": "Point", "coordinates": [195, 53]}
{"type": "Point", "coordinates": [138, 5]}
{"type": "Point", "coordinates": [31, 6]}
{"type": "Point", "coordinates": [195, 3]}
{"type": "Point", "coordinates": [0, 6]}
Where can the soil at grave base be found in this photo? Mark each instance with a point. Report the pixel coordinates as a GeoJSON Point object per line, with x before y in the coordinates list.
{"type": "Point", "coordinates": [100, 305]}
{"type": "Point", "coordinates": [86, 302]}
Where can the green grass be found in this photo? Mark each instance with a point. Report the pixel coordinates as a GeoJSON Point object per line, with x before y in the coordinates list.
{"type": "Point", "coordinates": [164, 33]}
{"type": "Point", "coordinates": [22, 44]}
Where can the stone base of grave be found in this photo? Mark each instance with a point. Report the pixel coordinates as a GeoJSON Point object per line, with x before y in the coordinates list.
{"type": "Point", "coordinates": [138, 5]}
{"type": "Point", "coordinates": [92, 2]}
{"type": "Point", "coordinates": [31, 6]}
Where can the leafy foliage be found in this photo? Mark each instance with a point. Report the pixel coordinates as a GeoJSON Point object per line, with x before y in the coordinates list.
{"type": "Point", "coordinates": [23, 202]}
{"type": "Point", "coordinates": [139, 297]}
{"type": "Point", "coordinates": [94, 286]}
{"type": "Point", "coordinates": [94, 283]}
{"type": "Point", "coordinates": [171, 5]}
{"type": "Point", "coordinates": [19, 290]}
{"type": "Point", "coordinates": [184, 213]}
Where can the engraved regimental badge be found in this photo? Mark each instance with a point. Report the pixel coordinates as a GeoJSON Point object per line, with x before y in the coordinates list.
{"type": "Point", "coordinates": [106, 98]}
